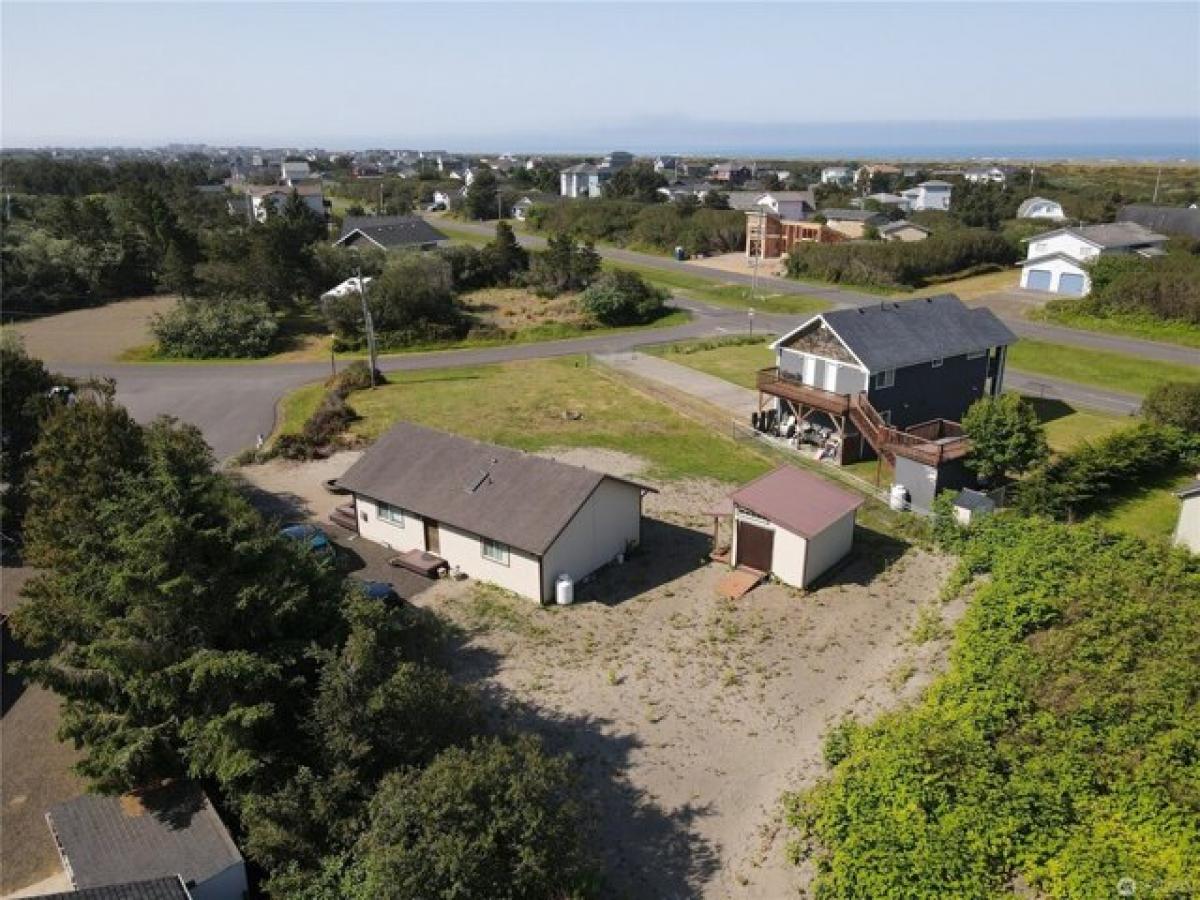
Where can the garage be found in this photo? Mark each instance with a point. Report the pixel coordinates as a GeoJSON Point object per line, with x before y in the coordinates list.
{"type": "Point", "coordinates": [792, 524]}
{"type": "Point", "coordinates": [1038, 279]}
{"type": "Point", "coordinates": [1071, 283]}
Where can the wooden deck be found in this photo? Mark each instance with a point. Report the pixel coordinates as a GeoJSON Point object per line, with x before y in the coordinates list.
{"type": "Point", "coordinates": [772, 381]}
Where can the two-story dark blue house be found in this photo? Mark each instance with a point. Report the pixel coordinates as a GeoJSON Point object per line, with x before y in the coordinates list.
{"type": "Point", "coordinates": [893, 378]}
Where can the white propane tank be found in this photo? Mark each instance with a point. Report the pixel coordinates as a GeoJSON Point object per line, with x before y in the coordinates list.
{"type": "Point", "coordinates": [564, 590]}
{"type": "Point", "coordinates": [898, 498]}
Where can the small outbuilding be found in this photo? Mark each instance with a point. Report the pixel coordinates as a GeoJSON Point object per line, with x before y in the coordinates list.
{"type": "Point", "coordinates": [514, 519]}
{"type": "Point", "coordinates": [154, 836]}
{"type": "Point", "coordinates": [793, 525]}
{"type": "Point", "coordinates": [971, 506]}
{"type": "Point", "coordinates": [1187, 529]}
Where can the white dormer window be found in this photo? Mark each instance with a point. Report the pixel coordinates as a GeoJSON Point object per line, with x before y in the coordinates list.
{"type": "Point", "coordinates": [885, 379]}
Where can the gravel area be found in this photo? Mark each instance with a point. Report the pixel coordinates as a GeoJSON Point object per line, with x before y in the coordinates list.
{"type": "Point", "coordinates": [99, 334]}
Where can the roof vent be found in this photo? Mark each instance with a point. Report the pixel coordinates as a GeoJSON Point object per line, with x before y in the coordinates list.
{"type": "Point", "coordinates": [895, 306]}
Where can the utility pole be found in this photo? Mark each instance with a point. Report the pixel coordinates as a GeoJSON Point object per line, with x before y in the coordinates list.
{"type": "Point", "coordinates": [1157, 179]}
{"type": "Point", "coordinates": [368, 325]}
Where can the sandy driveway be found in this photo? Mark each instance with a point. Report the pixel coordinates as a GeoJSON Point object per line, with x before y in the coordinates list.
{"type": "Point", "coordinates": [689, 715]}
{"type": "Point", "coordinates": [94, 335]}
{"type": "Point", "coordinates": [739, 263]}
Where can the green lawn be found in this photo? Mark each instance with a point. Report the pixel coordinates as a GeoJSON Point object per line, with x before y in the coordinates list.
{"type": "Point", "coordinates": [735, 359]}
{"type": "Point", "coordinates": [711, 289]}
{"type": "Point", "coordinates": [1067, 427]}
{"type": "Point", "coordinates": [1116, 371]}
{"type": "Point", "coordinates": [524, 404]}
{"type": "Point", "coordinates": [463, 235]}
{"type": "Point", "coordinates": [1144, 327]}
{"type": "Point", "coordinates": [1149, 511]}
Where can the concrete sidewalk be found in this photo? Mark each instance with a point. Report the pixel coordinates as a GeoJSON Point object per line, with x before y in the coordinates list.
{"type": "Point", "coordinates": [740, 402]}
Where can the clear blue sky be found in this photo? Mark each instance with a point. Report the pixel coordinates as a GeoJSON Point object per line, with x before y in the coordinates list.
{"type": "Point", "coordinates": [558, 76]}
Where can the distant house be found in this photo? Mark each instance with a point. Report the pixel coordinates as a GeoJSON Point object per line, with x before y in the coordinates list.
{"type": "Point", "coordinates": [933, 195]}
{"type": "Point", "coordinates": [154, 836]}
{"type": "Point", "coordinates": [730, 172]}
{"type": "Point", "coordinates": [389, 233]}
{"type": "Point", "coordinates": [521, 208]}
{"type": "Point", "coordinates": [793, 525]}
{"type": "Point", "coordinates": [617, 160]}
{"type": "Point", "coordinates": [853, 223]}
{"type": "Point", "coordinates": [891, 380]}
{"type": "Point", "coordinates": [884, 200]}
{"type": "Point", "coordinates": [514, 519]}
{"type": "Point", "coordinates": [988, 174]}
{"type": "Point", "coordinates": [1187, 529]}
{"type": "Point", "coordinates": [1041, 208]}
{"type": "Point", "coordinates": [292, 173]}
{"type": "Point", "coordinates": [665, 163]}
{"type": "Point", "coordinates": [1169, 220]}
{"type": "Point", "coordinates": [793, 205]}
{"type": "Point", "coordinates": [837, 175]}
{"type": "Point", "coordinates": [448, 197]}
{"type": "Point", "coordinates": [682, 188]}
{"type": "Point", "coordinates": [261, 197]}
{"type": "Point", "coordinates": [1057, 260]}
{"type": "Point", "coordinates": [583, 180]}
{"type": "Point", "coordinates": [903, 230]}
{"type": "Point", "coordinates": [778, 220]}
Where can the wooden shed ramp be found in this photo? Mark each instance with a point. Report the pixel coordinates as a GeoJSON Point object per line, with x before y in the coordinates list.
{"type": "Point", "coordinates": [738, 583]}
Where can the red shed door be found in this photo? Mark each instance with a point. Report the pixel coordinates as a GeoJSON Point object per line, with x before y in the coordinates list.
{"type": "Point", "coordinates": [754, 546]}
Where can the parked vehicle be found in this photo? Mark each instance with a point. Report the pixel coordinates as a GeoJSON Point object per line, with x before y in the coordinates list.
{"type": "Point", "coordinates": [312, 537]}
{"type": "Point", "coordinates": [380, 590]}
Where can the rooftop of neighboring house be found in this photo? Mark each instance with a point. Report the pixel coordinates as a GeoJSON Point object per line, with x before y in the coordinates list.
{"type": "Point", "coordinates": [390, 232]}
{"type": "Point", "coordinates": [892, 335]}
{"type": "Point", "coordinates": [852, 215]}
{"type": "Point", "coordinates": [1181, 220]}
{"type": "Point", "coordinates": [1109, 235]}
{"type": "Point", "coordinates": [900, 225]}
{"type": "Point", "coordinates": [803, 503]}
{"type": "Point", "coordinates": [582, 169]}
{"type": "Point", "coordinates": [495, 492]}
{"type": "Point", "coordinates": [150, 889]}
{"type": "Point", "coordinates": [935, 185]}
{"type": "Point", "coordinates": [745, 201]}
{"type": "Point", "coordinates": [538, 197]}
{"type": "Point", "coordinates": [792, 196]}
{"type": "Point", "coordinates": [160, 833]}
{"type": "Point", "coordinates": [303, 188]}
{"type": "Point", "coordinates": [885, 198]}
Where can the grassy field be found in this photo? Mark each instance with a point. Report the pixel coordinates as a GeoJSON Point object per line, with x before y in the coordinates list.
{"type": "Point", "coordinates": [733, 359]}
{"type": "Point", "coordinates": [1144, 327]}
{"type": "Point", "coordinates": [712, 290]}
{"type": "Point", "coordinates": [1116, 371]}
{"type": "Point", "coordinates": [1067, 427]}
{"type": "Point", "coordinates": [1150, 511]}
{"type": "Point", "coordinates": [526, 405]}
{"type": "Point", "coordinates": [975, 285]}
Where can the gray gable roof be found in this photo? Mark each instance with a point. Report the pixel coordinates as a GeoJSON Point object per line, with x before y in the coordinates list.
{"type": "Point", "coordinates": [173, 830]}
{"type": "Point", "coordinates": [853, 215]}
{"type": "Point", "coordinates": [1107, 235]}
{"type": "Point", "coordinates": [152, 889]}
{"type": "Point", "coordinates": [391, 231]}
{"type": "Point", "coordinates": [1167, 219]}
{"type": "Point", "coordinates": [892, 335]}
{"type": "Point", "coordinates": [900, 225]}
{"type": "Point", "coordinates": [494, 492]}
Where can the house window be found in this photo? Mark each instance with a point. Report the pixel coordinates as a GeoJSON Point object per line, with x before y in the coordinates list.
{"type": "Point", "coordinates": [392, 514]}
{"type": "Point", "coordinates": [885, 379]}
{"type": "Point", "coordinates": [937, 363]}
{"type": "Point", "coordinates": [495, 551]}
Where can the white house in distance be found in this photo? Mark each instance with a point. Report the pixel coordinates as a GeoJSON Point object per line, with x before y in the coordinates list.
{"type": "Point", "coordinates": [929, 195]}
{"type": "Point", "coordinates": [993, 174]}
{"type": "Point", "coordinates": [587, 180]}
{"type": "Point", "coordinates": [1057, 260]}
{"type": "Point", "coordinates": [310, 192]}
{"type": "Point", "coordinates": [514, 519]}
{"type": "Point", "coordinates": [793, 525]}
{"type": "Point", "coordinates": [1041, 208]}
{"type": "Point", "coordinates": [1187, 529]}
{"type": "Point", "coordinates": [837, 175]}
{"type": "Point", "coordinates": [293, 173]}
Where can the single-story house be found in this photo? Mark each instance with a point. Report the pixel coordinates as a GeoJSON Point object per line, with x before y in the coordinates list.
{"type": "Point", "coordinates": [521, 208]}
{"type": "Point", "coordinates": [1180, 220]}
{"type": "Point", "coordinates": [903, 230]}
{"type": "Point", "coordinates": [1187, 529]}
{"type": "Point", "coordinates": [389, 233]}
{"type": "Point", "coordinates": [493, 513]}
{"type": "Point", "coordinates": [853, 222]}
{"type": "Point", "coordinates": [793, 525]}
{"type": "Point", "coordinates": [162, 833]}
{"type": "Point", "coordinates": [352, 285]}
{"type": "Point", "coordinates": [1041, 208]}
{"type": "Point", "coordinates": [1057, 260]}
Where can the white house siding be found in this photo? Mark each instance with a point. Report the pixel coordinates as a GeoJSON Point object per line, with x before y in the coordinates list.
{"type": "Point", "coordinates": [1057, 267]}
{"type": "Point", "coordinates": [604, 526]}
{"type": "Point", "coordinates": [381, 531]}
{"type": "Point", "coordinates": [789, 554]}
{"type": "Point", "coordinates": [465, 550]}
{"type": "Point", "coordinates": [826, 549]}
{"type": "Point", "coordinates": [1063, 243]}
{"type": "Point", "coordinates": [1187, 530]}
{"type": "Point", "coordinates": [229, 884]}
{"type": "Point", "coordinates": [816, 371]}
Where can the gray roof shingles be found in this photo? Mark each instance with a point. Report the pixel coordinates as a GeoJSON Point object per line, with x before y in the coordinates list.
{"type": "Point", "coordinates": [1166, 219]}
{"type": "Point", "coordinates": [169, 831]}
{"type": "Point", "coordinates": [892, 335]}
{"type": "Point", "coordinates": [524, 501]}
{"type": "Point", "coordinates": [392, 231]}
{"type": "Point", "coordinates": [151, 889]}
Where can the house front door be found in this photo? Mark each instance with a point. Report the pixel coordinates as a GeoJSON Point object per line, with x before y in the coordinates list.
{"type": "Point", "coordinates": [432, 542]}
{"type": "Point", "coordinates": [831, 372]}
{"type": "Point", "coordinates": [755, 546]}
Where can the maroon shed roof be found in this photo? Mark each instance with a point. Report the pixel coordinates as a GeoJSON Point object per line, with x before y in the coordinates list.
{"type": "Point", "coordinates": [799, 501]}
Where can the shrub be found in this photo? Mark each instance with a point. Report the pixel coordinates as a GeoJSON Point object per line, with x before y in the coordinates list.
{"type": "Point", "coordinates": [899, 264]}
{"type": "Point", "coordinates": [224, 327]}
{"type": "Point", "coordinates": [329, 420]}
{"type": "Point", "coordinates": [563, 266]}
{"type": "Point", "coordinates": [1164, 287]}
{"type": "Point", "coordinates": [1174, 403]}
{"type": "Point", "coordinates": [1006, 436]}
{"type": "Point", "coordinates": [355, 377]}
{"type": "Point", "coordinates": [621, 297]}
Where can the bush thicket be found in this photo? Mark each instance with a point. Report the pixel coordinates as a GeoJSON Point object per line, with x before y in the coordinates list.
{"type": "Point", "coordinates": [223, 327]}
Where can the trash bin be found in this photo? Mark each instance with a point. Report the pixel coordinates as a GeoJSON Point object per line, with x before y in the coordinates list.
{"type": "Point", "coordinates": [564, 590]}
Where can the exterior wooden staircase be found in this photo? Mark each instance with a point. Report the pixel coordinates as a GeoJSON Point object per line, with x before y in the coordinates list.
{"type": "Point", "coordinates": [933, 443]}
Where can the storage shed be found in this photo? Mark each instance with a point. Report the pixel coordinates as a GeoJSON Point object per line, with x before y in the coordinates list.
{"type": "Point", "coordinates": [496, 514]}
{"type": "Point", "coordinates": [792, 524]}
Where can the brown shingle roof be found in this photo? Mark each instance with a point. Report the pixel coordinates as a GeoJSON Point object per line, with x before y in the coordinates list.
{"type": "Point", "coordinates": [501, 494]}
{"type": "Point", "coordinates": [801, 502]}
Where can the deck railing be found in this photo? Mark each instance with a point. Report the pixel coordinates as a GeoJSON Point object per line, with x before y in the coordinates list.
{"type": "Point", "coordinates": [780, 384]}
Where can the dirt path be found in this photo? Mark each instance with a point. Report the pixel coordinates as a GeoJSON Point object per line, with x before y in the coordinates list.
{"type": "Point", "coordinates": [100, 334]}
